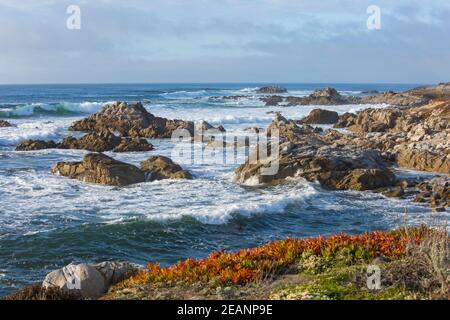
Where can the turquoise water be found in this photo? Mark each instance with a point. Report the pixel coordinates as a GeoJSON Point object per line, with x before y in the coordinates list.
{"type": "Point", "coordinates": [47, 221]}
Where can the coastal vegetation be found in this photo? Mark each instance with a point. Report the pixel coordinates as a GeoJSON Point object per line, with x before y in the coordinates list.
{"type": "Point", "coordinates": [414, 264]}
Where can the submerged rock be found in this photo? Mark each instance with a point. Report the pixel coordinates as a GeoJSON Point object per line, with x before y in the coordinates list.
{"type": "Point", "coordinates": [320, 116]}
{"type": "Point", "coordinates": [101, 169]}
{"type": "Point", "coordinates": [5, 124]}
{"type": "Point", "coordinates": [159, 168]}
{"type": "Point", "coordinates": [32, 145]}
{"type": "Point", "coordinates": [272, 100]}
{"type": "Point", "coordinates": [272, 89]}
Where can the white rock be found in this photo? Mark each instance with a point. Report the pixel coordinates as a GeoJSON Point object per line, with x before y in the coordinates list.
{"type": "Point", "coordinates": [81, 277]}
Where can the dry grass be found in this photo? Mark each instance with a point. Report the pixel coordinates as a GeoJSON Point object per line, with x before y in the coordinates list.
{"type": "Point", "coordinates": [36, 292]}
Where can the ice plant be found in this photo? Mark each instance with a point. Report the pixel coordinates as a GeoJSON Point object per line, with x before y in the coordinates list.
{"type": "Point", "coordinates": [248, 265]}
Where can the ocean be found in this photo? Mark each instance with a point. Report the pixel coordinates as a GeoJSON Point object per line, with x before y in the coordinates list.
{"type": "Point", "coordinates": [47, 221]}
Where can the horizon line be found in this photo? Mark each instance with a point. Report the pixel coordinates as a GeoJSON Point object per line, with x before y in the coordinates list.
{"type": "Point", "coordinates": [212, 82]}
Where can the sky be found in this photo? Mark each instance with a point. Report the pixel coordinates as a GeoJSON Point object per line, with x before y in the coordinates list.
{"type": "Point", "coordinates": [161, 41]}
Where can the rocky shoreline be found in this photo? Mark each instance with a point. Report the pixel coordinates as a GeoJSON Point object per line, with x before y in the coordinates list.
{"type": "Point", "coordinates": [361, 152]}
{"type": "Point", "coordinates": [331, 268]}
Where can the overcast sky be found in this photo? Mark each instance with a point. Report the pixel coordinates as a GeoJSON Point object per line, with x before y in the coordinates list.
{"type": "Point", "coordinates": [224, 41]}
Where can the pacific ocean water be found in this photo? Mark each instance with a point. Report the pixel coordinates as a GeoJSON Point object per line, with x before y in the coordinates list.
{"type": "Point", "coordinates": [47, 221]}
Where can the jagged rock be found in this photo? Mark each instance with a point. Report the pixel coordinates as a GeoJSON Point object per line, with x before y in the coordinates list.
{"type": "Point", "coordinates": [327, 96]}
{"type": "Point", "coordinates": [345, 120]}
{"type": "Point", "coordinates": [397, 99]}
{"type": "Point", "coordinates": [114, 271]}
{"type": "Point", "coordinates": [133, 145]}
{"type": "Point", "coordinates": [272, 100]}
{"type": "Point", "coordinates": [376, 120]}
{"type": "Point", "coordinates": [320, 116]}
{"type": "Point", "coordinates": [82, 277]}
{"type": "Point", "coordinates": [441, 91]}
{"type": "Point", "coordinates": [272, 89]}
{"type": "Point", "coordinates": [101, 169]}
{"type": "Point", "coordinates": [397, 192]}
{"type": "Point", "coordinates": [435, 192]}
{"type": "Point", "coordinates": [32, 145]}
{"type": "Point", "coordinates": [95, 142]}
{"type": "Point", "coordinates": [423, 160]}
{"type": "Point", "coordinates": [4, 124]}
{"type": "Point", "coordinates": [132, 120]}
{"type": "Point", "coordinates": [305, 153]}
{"type": "Point", "coordinates": [366, 179]}
{"type": "Point", "coordinates": [159, 168]}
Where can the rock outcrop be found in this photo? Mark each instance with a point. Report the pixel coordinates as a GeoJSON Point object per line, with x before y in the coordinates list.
{"type": "Point", "coordinates": [326, 96]}
{"type": "Point", "coordinates": [396, 99]}
{"type": "Point", "coordinates": [132, 120]}
{"type": "Point", "coordinates": [33, 145]}
{"type": "Point", "coordinates": [160, 168]}
{"type": "Point", "coordinates": [441, 91]}
{"type": "Point", "coordinates": [435, 192]}
{"type": "Point", "coordinates": [91, 281]}
{"type": "Point", "coordinates": [133, 145]}
{"type": "Point", "coordinates": [4, 124]}
{"type": "Point", "coordinates": [94, 142]}
{"type": "Point", "coordinates": [305, 153]}
{"type": "Point", "coordinates": [272, 89]}
{"type": "Point", "coordinates": [100, 169]}
{"type": "Point", "coordinates": [272, 100]}
{"type": "Point", "coordinates": [320, 116]}
{"type": "Point", "coordinates": [416, 137]}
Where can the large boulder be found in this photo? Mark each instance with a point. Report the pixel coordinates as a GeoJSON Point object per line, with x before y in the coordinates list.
{"type": "Point", "coordinates": [91, 281]}
{"type": "Point", "coordinates": [272, 89]}
{"type": "Point", "coordinates": [320, 116]}
{"type": "Point", "coordinates": [132, 120]}
{"type": "Point", "coordinates": [82, 277]}
{"type": "Point", "coordinates": [4, 124]}
{"type": "Point", "coordinates": [101, 169]}
{"type": "Point", "coordinates": [32, 145]}
{"type": "Point", "coordinates": [159, 168]}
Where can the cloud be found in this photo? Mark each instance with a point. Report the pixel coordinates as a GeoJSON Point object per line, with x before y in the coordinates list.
{"type": "Point", "coordinates": [227, 40]}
